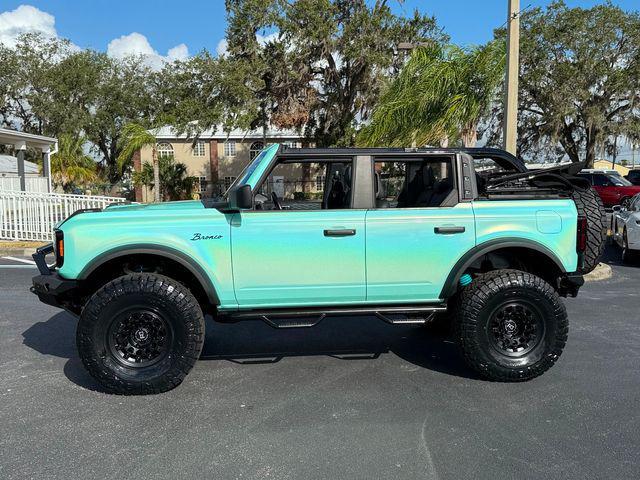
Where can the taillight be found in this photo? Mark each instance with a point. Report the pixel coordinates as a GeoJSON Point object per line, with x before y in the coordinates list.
{"type": "Point", "coordinates": [59, 248]}
{"type": "Point", "coordinates": [581, 241]}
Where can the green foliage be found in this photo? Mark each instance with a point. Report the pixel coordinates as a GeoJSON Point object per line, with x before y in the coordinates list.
{"type": "Point", "coordinates": [321, 69]}
{"type": "Point", "coordinates": [579, 77]}
{"type": "Point", "coordinates": [329, 66]}
{"type": "Point", "coordinates": [49, 88]}
{"type": "Point", "coordinates": [70, 167]}
{"type": "Point", "coordinates": [440, 95]}
{"type": "Point", "coordinates": [134, 137]}
{"type": "Point", "coordinates": [175, 183]}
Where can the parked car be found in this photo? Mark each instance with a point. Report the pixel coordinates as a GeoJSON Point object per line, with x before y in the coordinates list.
{"type": "Point", "coordinates": [613, 189]}
{"type": "Point", "coordinates": [633, 176]}
{"type": "Point", "coordinates": [625, 225]}
{"type": "Point", "coordinates": [402, 234]}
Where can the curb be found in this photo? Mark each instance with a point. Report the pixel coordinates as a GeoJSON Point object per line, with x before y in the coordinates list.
{"type": "Point", "coordinates": [601, 272]}
{"type": "Point", "coordinates": [19, 252]}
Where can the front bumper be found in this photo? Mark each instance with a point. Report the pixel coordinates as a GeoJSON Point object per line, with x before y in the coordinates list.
{"type": "Point", "coordinates": [50, 287]}
{"type": "Point", "coordinates": [570, 283]}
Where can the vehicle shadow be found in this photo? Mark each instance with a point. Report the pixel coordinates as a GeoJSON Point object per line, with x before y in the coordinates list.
{"type": "Point", "coordinates": [612, 254]}
{"type": "Point", "coordinates": [57, 337]}
{"type": "Point", "coordinates": [253, 342]}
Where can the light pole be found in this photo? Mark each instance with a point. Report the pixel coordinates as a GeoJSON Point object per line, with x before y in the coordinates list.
{"type": "Point", "coordinates": [510, 120]}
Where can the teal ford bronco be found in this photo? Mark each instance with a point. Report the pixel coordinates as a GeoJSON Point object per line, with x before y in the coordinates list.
{"type": "Point", "coordinates": [464, 236]}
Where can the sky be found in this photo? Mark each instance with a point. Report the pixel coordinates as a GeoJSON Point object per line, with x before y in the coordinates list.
{"type": "Point", "coordinates": [174, 29]}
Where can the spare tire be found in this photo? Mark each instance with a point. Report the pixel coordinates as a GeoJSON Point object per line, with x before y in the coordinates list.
{"type": "Point", "coordinates": [590, 205]}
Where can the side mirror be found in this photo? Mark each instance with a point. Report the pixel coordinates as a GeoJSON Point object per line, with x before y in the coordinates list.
{"type": "Point", "coordinates": [241, 198]}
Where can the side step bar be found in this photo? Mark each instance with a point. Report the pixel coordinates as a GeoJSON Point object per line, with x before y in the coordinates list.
{"type": "Point", "coordinates": [310, 317]}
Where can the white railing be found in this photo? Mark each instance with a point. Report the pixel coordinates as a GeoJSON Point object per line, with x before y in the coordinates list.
{"type": "Point", "coordinates": [32, 184]}
{"type": "Point", "coordinates": [31, 216]}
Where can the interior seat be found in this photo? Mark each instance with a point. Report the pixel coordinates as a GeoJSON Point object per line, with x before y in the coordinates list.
{"type": "Point", "coordinates": [441, 191]}
{"type": "Point", "coordinates": [381, 196]}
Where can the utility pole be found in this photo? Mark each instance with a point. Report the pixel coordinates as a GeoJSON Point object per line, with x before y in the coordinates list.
{"type": "Point", "coordinates": [510, 120]}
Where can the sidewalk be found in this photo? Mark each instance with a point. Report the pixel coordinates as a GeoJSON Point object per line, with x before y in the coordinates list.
{"type": "Point", "coordinates": [19, 248]}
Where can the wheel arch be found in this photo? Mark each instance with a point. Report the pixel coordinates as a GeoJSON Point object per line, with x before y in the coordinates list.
{"type": "Point", "coordinates": [159, 251]}
{"type": "Point", "coordinates": [494, 247]}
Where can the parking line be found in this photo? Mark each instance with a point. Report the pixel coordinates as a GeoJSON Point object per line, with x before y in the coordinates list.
{"type": "Point", "coordinates": [23, 260]}
{"type": "Point", "coordinates": [17, 266]}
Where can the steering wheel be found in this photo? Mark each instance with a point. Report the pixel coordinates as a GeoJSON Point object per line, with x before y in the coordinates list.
{"type": "Point", "coordinates": [276, 202]}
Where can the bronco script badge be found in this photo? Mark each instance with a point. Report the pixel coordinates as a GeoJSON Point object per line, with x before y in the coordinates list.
{"type": "Point", "coordinates": [197, 236]}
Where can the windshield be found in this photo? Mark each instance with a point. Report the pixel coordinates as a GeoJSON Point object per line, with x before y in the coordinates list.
{"type": "Point", "coordinates": [620, 181]}
{"type": "Point", "coordinates": [246, 173]}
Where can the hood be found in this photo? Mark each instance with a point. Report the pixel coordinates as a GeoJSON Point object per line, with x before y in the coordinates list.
{"type": "Point", "coordinates": [157, 210]}
{"type": "Point", "coordinates": [164, 206]}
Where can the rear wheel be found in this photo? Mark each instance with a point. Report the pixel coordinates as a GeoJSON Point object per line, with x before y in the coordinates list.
{"type": "Point", "coordinates": [589, 204]}
{"type": "Point", "coordinates": [628, 256]}
{"type": "Point", "coordinates": [511, 325]}
{"type": "Point", "coordinates": [140, 333]}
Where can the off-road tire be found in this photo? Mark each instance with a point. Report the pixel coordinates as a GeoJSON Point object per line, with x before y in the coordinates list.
{"type": "Point", "coordinates": [589, 204]}
{"type": "Point", "coordinates": [167, 303]}
{"type": "Point", "coordinates": [479, 308]}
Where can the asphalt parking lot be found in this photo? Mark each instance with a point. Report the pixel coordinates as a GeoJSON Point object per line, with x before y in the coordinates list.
{"type": "Point", "coordinates": [352, 398]}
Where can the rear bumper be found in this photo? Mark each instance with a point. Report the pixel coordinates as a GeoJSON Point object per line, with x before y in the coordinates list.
{"type": "Point", "coordinates": [570, 283]}
{"type": "Point", "coordinates": [50, 287]}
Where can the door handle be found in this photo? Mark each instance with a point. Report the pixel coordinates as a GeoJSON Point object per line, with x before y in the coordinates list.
{"type": "Point", "coordinates": [447, 230]}
{"type": "Point", "coordinates": [345, 232]}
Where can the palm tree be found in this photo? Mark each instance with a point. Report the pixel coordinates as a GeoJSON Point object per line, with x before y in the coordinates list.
{"type": "Point", "coordinates": [176, 183]}
{"type": "Point", "coordinates": [135, 137]}
{"type": "Point", "coordinates": [69, 165]}
{"type": "Point", "coordinates": [440, 95]}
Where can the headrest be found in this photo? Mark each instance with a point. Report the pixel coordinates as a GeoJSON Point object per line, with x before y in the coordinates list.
{"type": "Point", "coordinates": [428, 178]}
{"type": "Point", "coordinates": [378, 186]}
{"type": "Point", "coordinates": [444, 185]}
{"type": "Point", "coordinates": [347, 175]}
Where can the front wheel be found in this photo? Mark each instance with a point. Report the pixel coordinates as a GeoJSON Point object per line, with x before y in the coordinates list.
{"type": "Point", "coordinates": [140, 333]}
{"type": "Point", "coordinates": [511, 325]}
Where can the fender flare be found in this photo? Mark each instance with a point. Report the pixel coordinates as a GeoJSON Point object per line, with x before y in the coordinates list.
{"type": "Point", "coordinates": [478, 251]}
{"type": "Point", "coordinates": [162, 251]}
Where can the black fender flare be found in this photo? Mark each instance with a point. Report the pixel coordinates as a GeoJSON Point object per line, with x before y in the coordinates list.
{"type": "Point", "coordinates": [451, 283]}
{"type": "Point", "coordinates": [162, 251]}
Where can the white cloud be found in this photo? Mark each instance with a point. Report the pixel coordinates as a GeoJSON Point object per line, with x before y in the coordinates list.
{"type": "Point", "coordinates": [29, 19]}
{"type": "Point", "coordinates": [179, 52]}
{"type": "Point", "coordinates": [223, 46]}
{"type": "Point", "coordinates": [137, 44]}
{"type": "Point", "coordinates": [25, 19]}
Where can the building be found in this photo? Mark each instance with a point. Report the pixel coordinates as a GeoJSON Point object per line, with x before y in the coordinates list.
{"type": "Point", "coordinates": [215, 159]}
{"type": "Point", "coordinates": [608, 165]}
{"type": "Point", "coordinates": [18, 174]}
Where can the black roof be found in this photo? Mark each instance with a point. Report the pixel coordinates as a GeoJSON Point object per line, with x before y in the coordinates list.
{"type": "Point", "coordinates": [501, 156]}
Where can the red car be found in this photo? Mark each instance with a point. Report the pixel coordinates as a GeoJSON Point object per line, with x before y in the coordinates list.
{"type": "Point", "coordinates": [612, 187]}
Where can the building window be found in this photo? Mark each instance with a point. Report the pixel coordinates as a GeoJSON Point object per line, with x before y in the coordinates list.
{"type": "Point", "coordinates": [202, 184]}
{"type": "Point", "coordinates": [291, 144]}
{"type": "Point", "coordinates": [320, 183]}
{"type": "Point", "coordinates": [198, 149]}
{"type": "Point", "coordinates": [228, 181]}
{"type": "Point", "coordinates": [165, 150]}
{"type": "Point", "coordinates": [255, 149]}
{"type": "Point", "coordinates": [230, 148]}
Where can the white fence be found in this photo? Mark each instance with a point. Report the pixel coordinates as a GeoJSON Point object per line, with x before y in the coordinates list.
{"type": "Point", "coordinates": [31, 216]}
{"type": "Point", "coordinates": [32, 184]}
